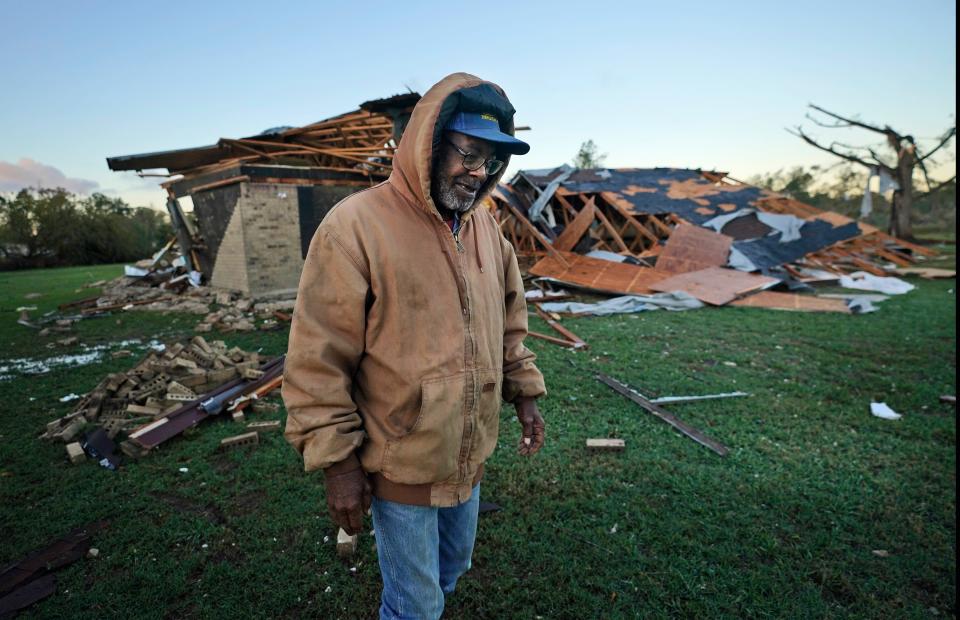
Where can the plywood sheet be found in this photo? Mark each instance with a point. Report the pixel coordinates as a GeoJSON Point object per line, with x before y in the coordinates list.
{"type": "Point", "coordinates": [597, 274]}
{"type": "Point", "coordinates": [692, 248]}
{"type": "Point", "coordinates": [715, 285]}
{"type": "Point", "coordinates": [792, 301]}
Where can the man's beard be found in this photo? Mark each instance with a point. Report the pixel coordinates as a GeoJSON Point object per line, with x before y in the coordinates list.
{"type": "Point", "coordinates": [451, 198]}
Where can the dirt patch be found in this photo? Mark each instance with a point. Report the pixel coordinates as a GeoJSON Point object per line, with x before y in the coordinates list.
{"type": "Point", "coordinates": [207, 511]}
{"type": "Point", "coordinates": [247, 503]}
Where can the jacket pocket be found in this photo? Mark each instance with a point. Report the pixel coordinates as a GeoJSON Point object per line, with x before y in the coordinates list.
{"type": "Point", "coordinates": [430, 451]}
{"type": "Point", "coordinates": [489, 403]}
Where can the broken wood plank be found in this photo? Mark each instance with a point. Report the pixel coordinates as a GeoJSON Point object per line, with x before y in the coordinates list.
{"type": "Point", "coordinates": [716, 286]}
{"type": "Point", "coordinates": [554, 340]}
{"type": "Point", "coordinates": [615, 445]}
{"type": "Point", "coordinates": [663, 414]}
{"type": "Point", "coordinates": [61, 552]}
{"type": "Point", "coordinates": [574, 339]}
{"type": "Point", "coordinates": [792, 301]}
{"type": "Point", "coordinates": [27, 595]}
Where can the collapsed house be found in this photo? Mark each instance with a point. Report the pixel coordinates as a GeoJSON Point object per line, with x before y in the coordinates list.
{"type": "Point", "coordinates": [642, 231]}
{"type": "Point", "coordinates": [258, 200]}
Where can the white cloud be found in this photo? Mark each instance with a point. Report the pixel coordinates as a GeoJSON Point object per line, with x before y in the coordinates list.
{"type": "Point", "coordinates": [30, 173]}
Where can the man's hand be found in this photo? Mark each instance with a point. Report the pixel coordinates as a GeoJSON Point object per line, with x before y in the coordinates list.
{"type": "Point", "coordinates": [533, 427]}
{"type": "Point", "coordinates": [348, 497]}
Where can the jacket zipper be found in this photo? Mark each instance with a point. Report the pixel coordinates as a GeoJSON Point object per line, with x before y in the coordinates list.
{"type": "Point", "coordinates": [456, 232]}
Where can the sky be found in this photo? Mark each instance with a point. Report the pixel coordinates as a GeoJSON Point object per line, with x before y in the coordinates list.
{"type": "Point", "coordinates": [683, 84]}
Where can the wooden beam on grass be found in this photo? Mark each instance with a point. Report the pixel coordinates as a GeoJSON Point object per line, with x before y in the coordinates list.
{"type": "Point", "coordinates": [575, 341]}
{"type": "Point", "coordinates": [691, 432]}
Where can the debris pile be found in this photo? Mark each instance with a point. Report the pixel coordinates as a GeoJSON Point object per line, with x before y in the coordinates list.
{"type": "Point", "coordinates": [163, 395]}
{"type": "Point", "coordinates": [225, 311]}
{"type": "Point", "coordinates": [664, 231]}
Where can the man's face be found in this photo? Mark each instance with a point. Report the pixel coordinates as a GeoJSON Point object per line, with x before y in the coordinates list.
{"type": "Point", "coordinates": [455, 187]}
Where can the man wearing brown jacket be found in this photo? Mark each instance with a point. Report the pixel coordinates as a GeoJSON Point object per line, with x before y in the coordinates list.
{"type": "Point", "coordinates": [407, 334]}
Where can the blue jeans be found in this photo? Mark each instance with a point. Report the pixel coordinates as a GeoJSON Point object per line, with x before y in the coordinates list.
{"type": "Point", "coordinates": [422, 552]}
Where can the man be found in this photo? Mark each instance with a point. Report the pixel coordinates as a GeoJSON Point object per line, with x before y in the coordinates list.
{"type": "Point", "coordinates": [408, 331]}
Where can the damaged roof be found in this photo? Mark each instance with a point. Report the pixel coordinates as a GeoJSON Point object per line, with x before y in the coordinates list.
{"type": "Point", "coordinates": [343, 141]}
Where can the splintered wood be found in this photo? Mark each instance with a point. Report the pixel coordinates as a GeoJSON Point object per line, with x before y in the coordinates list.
{"type": "Point", "coordinates": [716, 286]}
{"type": "Point", "coordinates": [598, 275]}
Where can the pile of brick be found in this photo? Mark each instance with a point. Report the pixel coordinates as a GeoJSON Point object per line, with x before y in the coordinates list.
{"type": "Point", "coordinates": [225, 311]}
{"type": "Point", "coordinates": [155, 387]}
{"type": "Point", "coordinates": [238, 313]}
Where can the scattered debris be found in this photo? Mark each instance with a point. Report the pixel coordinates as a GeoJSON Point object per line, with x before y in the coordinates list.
{"type": "Point", "coordinates": [569, 339]}
{"type": "Point", "coordinates": [615, 445]}
{"type": "Point", "coordinates": [927, 273]}
{"type": "Point", "coordinates": [26, 581]}
{"type": "Point", "coordinates": [690, 399]}
{"type": "Point", "coordinates": [165, 393]}
{"type": "Point", "coordinates": [266, 425]}
{"type": "Point", "coordinates": [239, 441]}
{"type": "Point", "coordinates": [792, 301]}
{"type": "Point", "coordinates": [488, 507]}
{"type": "Point", "coordinates": [625, 390]}
{"type": "Point", "coordinates": [676, 300]}
{"type": "Point", "coordinates": [637, 231]}
{"type": "Point", "coordinates": [864, 281]}
{"type": "Point", "coordinates": [882, 410]}
{"type": "Point", "coordinates": [346, 544]}
{"type": "Point", "coordinates": [101, 447]}
{"type": "Point", "coordinates": [949, 399]}
{"type": "Point", "coordinates": [75, 453]}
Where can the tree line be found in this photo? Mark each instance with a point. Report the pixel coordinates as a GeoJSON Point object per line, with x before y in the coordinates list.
{"type": "Point", "coordinates": [53, 228]}
{"type": "Point", "coordinates": [841, 189]}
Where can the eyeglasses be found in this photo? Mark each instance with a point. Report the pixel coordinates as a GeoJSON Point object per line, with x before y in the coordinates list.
{"type": "Point", "coordinates": [474, 162]}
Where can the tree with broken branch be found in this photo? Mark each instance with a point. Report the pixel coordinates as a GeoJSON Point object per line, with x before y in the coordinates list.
{"type": "Point", "coordinates": [901, 166]}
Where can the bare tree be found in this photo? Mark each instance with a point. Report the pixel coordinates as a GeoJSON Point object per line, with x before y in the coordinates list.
{"type": "Point", "coordinates": [908, 158]}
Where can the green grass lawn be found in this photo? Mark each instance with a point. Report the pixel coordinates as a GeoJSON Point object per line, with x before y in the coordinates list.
{"type": "Point", "coordinates": [788, 525]}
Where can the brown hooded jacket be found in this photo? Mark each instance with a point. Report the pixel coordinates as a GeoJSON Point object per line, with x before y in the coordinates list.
{"type": "Point", "coordinates": [404, 338]}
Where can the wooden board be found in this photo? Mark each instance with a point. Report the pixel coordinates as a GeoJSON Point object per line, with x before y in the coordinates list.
{"type": "Point", "coordinates": [792, 301]}
{"type": "Point", "coordinates": [692, 248]}
{"type": "Point", "coordinates": [616, 445]}
{"type": "Point", "coordinates": [716, 286]}
{"type": "Point", "coordinates": [930, 273]}
{"type": "Point", "coordinates": [575, 229]}
{"type": "Point", "coordinates": [599, 275]}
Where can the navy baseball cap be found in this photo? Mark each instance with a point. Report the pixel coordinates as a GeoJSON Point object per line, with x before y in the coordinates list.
{"type": "Point", "coordinates": [486, 127]}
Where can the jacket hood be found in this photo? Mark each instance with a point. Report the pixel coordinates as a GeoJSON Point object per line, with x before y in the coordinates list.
{"type": "Point", "coordinates": [413, 160]}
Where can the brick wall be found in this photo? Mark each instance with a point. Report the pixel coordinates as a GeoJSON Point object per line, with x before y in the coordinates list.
{"type": "Point", "coordinates": [230, 265]}
{"type": "Point", "coordinates": [271, 237]}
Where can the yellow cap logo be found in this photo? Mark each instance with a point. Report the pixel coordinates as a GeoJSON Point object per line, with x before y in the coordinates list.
{"type": "Point", "coordinates": [489, 117]}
